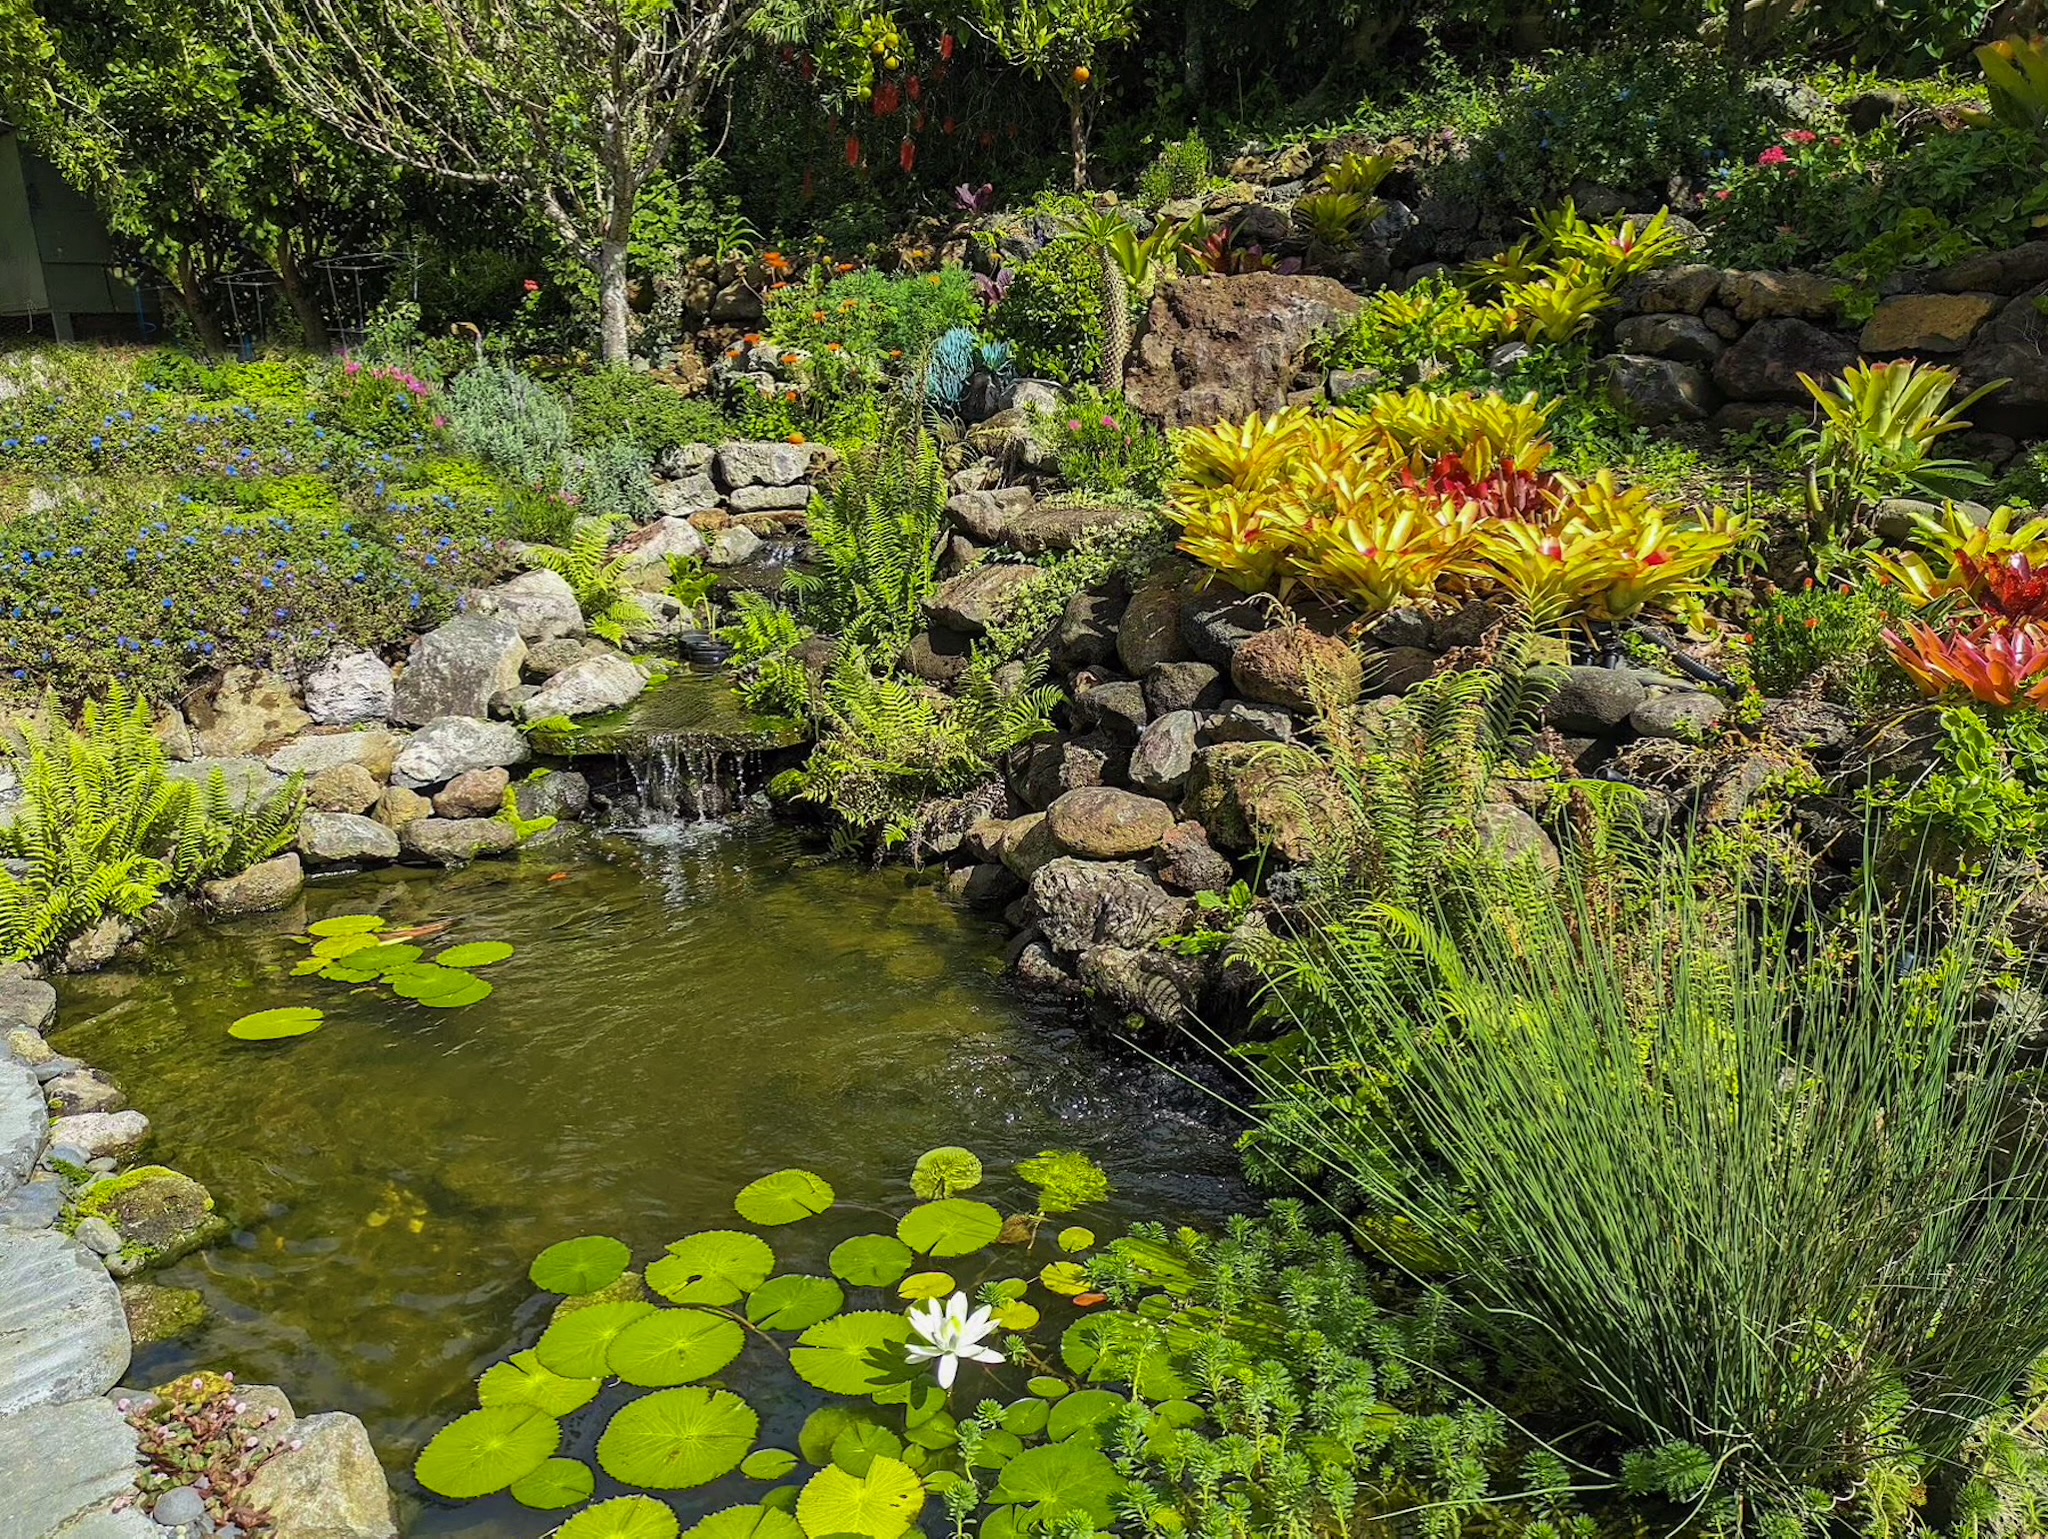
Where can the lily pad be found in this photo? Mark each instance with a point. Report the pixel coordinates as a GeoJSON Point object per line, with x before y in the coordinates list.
{"type": "Point", "coordinates": [1046, 1387]}
{"type": "Point", "coordinates": [1065, 1180]}
{"type": "Point", "coordinates": [674, 1346]}
{"type": "Point", "coordinates": [1061, 1480]}
{"type": "Point", "coordinates": [1075, 1239]}
{"type": "Point", "coordinates": [623, 1517]}
{"type": "Point", "coordinates": [852, 1354]}
{"type": "Point", "coordinates": [861, 1444]}
{"type": "Point", "coordinates": [485, 1451]}
{"type": "Point", "coordinates": [423, 980]}
{"type": "Point", "coordinates": [581, 1266]}
{"type": "Point", "coordinates": [926, 1285]}
{"type": "Point", "coordinates": [952, 1226]}
{"type": "Point", "coordinates": [337, 946]}
{"type": "Point", "coordinates": [1026, 1418]}
{"type": "Point", "coordinates": [379, 960]}
{"type": "Point", "coordinates": [678, 1438]}
{"type": "Point", "coordinates": [346, 924]}
{"type": "Point", "coordinates": [1015, 1317]}
{"type": "Point", "coordinates": [768, 1464]}
{"type": "Point", "coordinates": [274, 1025]}
{"type": "Point", "coordinates": [309, 966]}
{"type": "Point", "coordinates": [945, 1172]}
{"type": "Point", "coordinates": [822, 1428]}
{"type": "Point", "coordinates": [762, 1522]}
{"type": "Point", "coordinates": [794, 1302]}
{"type": "Point", "coordinates": [783, 1198]}
{"type": "Point", "coordinates": [521, 1380]}
{"type": "Point", "coordinates": [719, 1266]}
{"type": "Point", "coordinates": [882, 1504]}
{"type": "Point", "coordinates": [871, 1260]}
{"type": "Point", "coordinates": [474, 954]}
{"type": "Point", "coordinates": [1067, 1278]}
{"type": "Point", "coordinates": [1082, 1410]}
{"type": "Point", "coordinates": [578, 1346]}
{"type": "Point", "coordinates": [475, 991]}
{"type": "Point", "coordinates": [556, 1484]}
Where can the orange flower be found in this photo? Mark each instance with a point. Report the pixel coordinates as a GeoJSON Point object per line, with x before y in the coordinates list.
{"type": "Point", "coordinates": [791, 398]}
{"type": "Point", "coordinates": [818, 316]}
{"type": "Point", "coordinates": [791, 360]}
{"type": "Point", "coordinates": [844, 268]}
{"type": "Point", "coordinates": [798, 439]}
{"type": "Point", "coordinates": [895, 352]}
{"type": "Point", "coordinates": [776, 262]}
{"type": "Point", "coordinates": [834, 347]}
{"type": "Point", "coordinates": [777, 288]}
{"type": "Point", "coordinates": [752, 339]}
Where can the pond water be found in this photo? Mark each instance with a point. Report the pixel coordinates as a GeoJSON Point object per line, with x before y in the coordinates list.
{"type": "Point", "coordinates": [687, 1009]}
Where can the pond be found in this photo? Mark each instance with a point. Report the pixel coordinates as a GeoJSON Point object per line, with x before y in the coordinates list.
{"type": "Point", "coordinates": [688, 1009]}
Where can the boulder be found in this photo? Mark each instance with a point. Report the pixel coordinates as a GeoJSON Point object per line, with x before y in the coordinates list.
{"type": "Point", "coordinates": [161, 1215]}
{"type": "Point", "coordinates": [344, 839]}
{"type": "Point", "coordinates": [734, 545]}
{"type": "Point", "coordinates": [644, 554]}
{"type": "Point", "coordinates": [1686, 289]}
{"type": "Point", "coordinates": [505, 703]}
{"type": "Point", "coordinates": [545, 659]}
{"type": "Point", "coordinates": [1013, 516]}
{"type": "Point", "coordinates": [596, 684]}
{"type": "Point", "coordinates": [1240, 721]}
{"type": "Point", "coordinates": [1104, 823]}
{"type": "Point", "coordinates": [1294, 667]}
{"type": "Point", "coordinates": [769, 499]}
{"type": "Point", "coordinates": [373, 749]}
{"type": "Point", "coordinates": [454, 669]}
{"type": "Point", "coordinates": [327, 1484]}
{"type": "Point", "coordinates": [1996, 272]}
{"type": "Point", "coordinates": [1087, 631]}
{"type": "Point", "coordinates": [1051, 769]}
{"type": "Point", "coordinates": [1658, 392]}
{"type": "Point", "coordinates": [1594, 701]}
{"type": "Point", "coordinates": [1116, 707]}
{"type": "Point", "coordinates": [1927, 323]}
{"type": "Point", "coordinates": [1188, 862]}
{"type": "Point", "coordinates": [1218, 620]}
{"type": "Point", "coordinates": [559, 794]}
{"type": "Point", "coordinates": [448, 745]}
{"type": "Point", "coordinates": [1776, 296]}
{"type": "Point", "coordinates": [1082, 904]}
{"type": "Point", "coordinates": [349, 688]}
{"type": "Point", "coordinates": [1509, 834]}
{"type": "Point", "coordinates": [989, 516]}
{"type": "Point", "coordinates": [1219, 349]}
{"type": "Point", "coordinates": [62, 1333]}
{"type": "Point", "coordinates": [1261, 795]}
{"type": "Point", "coordinates": [1164, 755]}
{"type": "Point", "coordinates": [2012, 346]}
{"type": "Point", "coordinates": [1682, 338]}
{"type": "Point", "coordinates": [1766, 364]}
{"type": "Point", "coordinates": [398, 807]}
{"type": "Point", "coordinates": [1182, 686]}
{"type": "Point", "coordinates": [938, 656]}
{"type": "Point", "coordinates": [247, 782]}
{"type": "Point", "coordinates": [83, 1090]}
{"type": "Point", "coordinates": [24, 1119]}
{"type": "Point", "coordinates": [346, 788]}
{"type": "Point", "coordinates": [264, 888]}
{"type": "Point", "coordinates": [760, 464]}
{"type": "Point", "coordinates": [97, 945]}
{"type": "Point", "coordinates": [1678, 714]}
{"type": "Point", "coordinates": [540, 603]}
{"type": "Point", "coordinates": [453, 841]}
{"type": "Point", "coordinates": [158, 1314]}
{"type": "Point", "coordinates": [1395, 670]}
{"type": "Point", "coordinates": [27, 1002]}
{"type": "Point", "coordinates": [1158, 986]}
{"type": "Point", "coordinates": [66, 1463]}
{"type": "Point", "coordinates": [693, 493]}
{"type": "Point", "coordinates": [979, 597]}
{"type": "Point", "coordinates": [476, 793]}
{"type": "Point", "coordinates": [1150, 631]}
{"type": "Point", "coordinates": [250, 709]}
{"type": "Point", "coordinates": [1028, 846]}
{"type": "Point", "coordinates": [986, 884]}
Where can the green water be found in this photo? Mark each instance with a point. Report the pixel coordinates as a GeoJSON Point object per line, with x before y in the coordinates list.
{"type": "Point", "coordinates": [683, 1014]}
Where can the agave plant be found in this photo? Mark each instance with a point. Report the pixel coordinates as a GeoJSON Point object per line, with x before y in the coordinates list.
{"type": "Point", "coordinates": [1996, 664]}
{"type": "Point", "coordinates": [1880, 424]}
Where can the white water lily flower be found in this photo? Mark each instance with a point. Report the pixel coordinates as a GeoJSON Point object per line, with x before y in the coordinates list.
{"type": "Point", "coordinates": [951, 1334]}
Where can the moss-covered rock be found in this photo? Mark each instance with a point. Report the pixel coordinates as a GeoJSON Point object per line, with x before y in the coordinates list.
{"type": "Point", "coordinates": [161, 1314]}
{"type": "Point", "coordinates": [160, 1213]}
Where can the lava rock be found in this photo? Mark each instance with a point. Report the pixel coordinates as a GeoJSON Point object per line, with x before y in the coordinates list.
{"type": "Point", "coordinates": [1150, 631]}
{"type": "Point", "coordinates": [1082, 903]}
{"type": "Point", "coordinates": [1766, 364]}
{"type": "Point", "coordinates": [1183, 686]}
{"type": "Point", "coordinates": [1678, 714]}
{"type": "Point", "coordinates": [1396, 670]}
{"type": "Point", "coordinates": [1164, 754]}
{"type": "Point", "coordinates": [1594, 701]}
{"type": "Point", "coordinates": [1777, 296]}
{"type": "Point", "coordinates": [1117, 708]}
{"type": "Point", "coordinates": [1293, 666]}
{"type": "Point", "coordinates": [1215, 623]}
{"type": "Point", "coordinates": [1087, 631]}
{"type": "Point", "coordinates": [1658, 392]}
{"type": "Point", "coordinates": [1219, 349]}
{"type": "Point", "coordinates": [1240, 721]}
{"type": "Point", "coordinates": [344, 789]}
{"type": "Point", "coordinates": [1927, 323]}
{"type": "Point", "coordinates": [1188, 862]}
{"type": "Point", "coordinates": [1158, 986]}
{"type": "Point", "coordinates": [979, 597]}
{"type": "Point", "coordinates": [760, 464]}
{"type": "Point", "coordinates": [1682, 338]}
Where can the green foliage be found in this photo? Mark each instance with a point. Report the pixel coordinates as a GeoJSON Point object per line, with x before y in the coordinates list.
{"type": "Point", "coordinates": [104, 831]}
{"type": "Point", "coordinates": [1880, 423]}
{"type": "Point", "coordinates": [764, 637]}
{"type": "Point", "coordinates": [1985, 796]}
{"type": "Point", "coordinates": [609, 481]}
{"type": "Point", "coordinates": [1052, 315]}
{"type": "Point", "coordinates": [1102, 445]}
{"type": "Point", "coordinates": [1833, 632]}
{"type": "Point", "coordinates": [597, 576]}
{"type": "Point", "coordinates": [877, 534]}
{"type": "Point", "coordinates": [870, 319]}
{"type": "Point", "coordinates": [1796, 1092]}
{"type": "Point", "coordinates": [610, 404]}
{"type": "Point", "coordinates": [1182, 170]}
{"type": "Point", "coordinates": [511, 420]}
{"type": "Point", "coordinates": [887, 746]}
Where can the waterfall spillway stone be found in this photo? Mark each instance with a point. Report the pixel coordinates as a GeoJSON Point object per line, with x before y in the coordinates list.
{"type": "Point", "coordinates": [689, 745]}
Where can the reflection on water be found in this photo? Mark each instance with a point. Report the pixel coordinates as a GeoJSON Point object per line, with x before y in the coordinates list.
{"type": "Point", "coordinates": [685, 1012]}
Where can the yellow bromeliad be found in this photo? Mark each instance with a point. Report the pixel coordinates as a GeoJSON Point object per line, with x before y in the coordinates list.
{"type": "Point", "coordinates": [1953, 533]}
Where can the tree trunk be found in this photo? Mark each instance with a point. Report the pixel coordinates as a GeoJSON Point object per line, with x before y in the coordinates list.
{"type": "Point", "coordinates": [186, 286]}
{"type": "Point", "coordinates": [1077, 124]}
{"type": "Point", "coordinates": [611, 301]}
{"type": "Point", "coordinates": [312, 325]}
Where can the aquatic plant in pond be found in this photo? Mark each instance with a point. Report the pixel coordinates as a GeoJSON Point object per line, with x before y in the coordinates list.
{"type": "Point", "coordinates": [358, 949]}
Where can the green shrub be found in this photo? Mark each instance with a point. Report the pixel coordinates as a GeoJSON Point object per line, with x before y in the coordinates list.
{"type": "Point", "coordinates": [877, 535]}
{"type": "Point", "coordinates": [1758, 1204]}
{"type": "Point", "coordinates": [104, 831]}
{"type": "Point", "coordinates": [621, 404]}
{"type": "Point", "coordinates": [610, 479]}
{"type": "Point", "coordinates": [1104, 446]}
{"type": "Point", "coordinates": [1834, 632]}
{"type": "Point", "coordinates": [1984, 797]}
{"type": "Point", "coordinates": [511, 420]}
{"type": "Point", "coordinates": [1052, 315]}
{"type": "Point", "coordinates": [1181, 171]}
{"type": "Point", "coordinates": [872, 318]}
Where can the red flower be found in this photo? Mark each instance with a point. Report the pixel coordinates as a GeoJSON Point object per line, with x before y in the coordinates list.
{"type": "Point", "coordinates": [888, 100]}
{"type": "Point", "coordinates": [1802, 136]}
{"type": "Point", "coordinates": [853, 150]}
{"type": "Point", "coordinates": [946, 46]}
{"type": "Point", "coordinates": [1774, 156]}
{"type": "Point", "coordinates": [947, 128]}
{"type": "Point", "coordinates": [907, 156]}
{"type": "Point", "coordinates": [1724, 194]}
{"type": "Point", "coordinates": [531, 286]}
{"type": "Point", "coordinates": [916, 88]}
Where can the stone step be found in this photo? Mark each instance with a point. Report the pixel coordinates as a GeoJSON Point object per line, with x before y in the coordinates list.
{"type": "Point", "coordinates": [63, 1335]}
{"type": "Point", "coordinates": [24, 1123]}
{"type": "Point", "coordinates": [61, 1465]}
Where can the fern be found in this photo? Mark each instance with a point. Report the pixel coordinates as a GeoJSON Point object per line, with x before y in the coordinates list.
{"type": "Point", "coordinates": [103, 829]}
{"type": "Point", "coordinates": [596, 576]}
{"type": "Point", "coordinates": [764, 637]}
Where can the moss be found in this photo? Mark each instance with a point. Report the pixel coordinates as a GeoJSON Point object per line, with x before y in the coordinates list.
{"type": "Point", "coordinates": [161, 1314]}
{"type": "Point", "coordinates": [160, 1213]}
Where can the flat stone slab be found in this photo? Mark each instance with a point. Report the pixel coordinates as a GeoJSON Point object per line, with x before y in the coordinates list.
{"type": "Point", "coordinates": [63, 1465]}
{"type": "Point", "coordinates": [63, 1335]}
{"type": "Point", "coordinates": [28, 1002]}
{"type": "Point", "coordinates": [24, 1123]}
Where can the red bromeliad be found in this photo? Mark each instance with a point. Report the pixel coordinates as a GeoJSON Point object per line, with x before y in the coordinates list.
{"type": "Point", "coordinates": [1998, 663]}
{"type": "Point", "coordinates": [2011, 590]}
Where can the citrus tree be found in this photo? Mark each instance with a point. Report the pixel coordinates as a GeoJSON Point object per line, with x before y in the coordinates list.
{"type": "Point", "coordinates": [1061, 41]}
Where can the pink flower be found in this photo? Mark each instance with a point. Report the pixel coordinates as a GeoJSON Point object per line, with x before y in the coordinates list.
{"type": "Point", "coordinates": [1110, 423]}
{"type": "Point", "coordinates": [1073, 424]}
{"type": "Point", "coordinates": [531, 287]}
{"type": "Point", "coordinates": [1774, 156]}
{"type": "Point", "coordinates": [1724, 194]}
{"type": "Point", "coordinates": [1802, 136]}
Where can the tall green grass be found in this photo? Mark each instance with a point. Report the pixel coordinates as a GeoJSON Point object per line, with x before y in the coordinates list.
{"type": "Point", "coordinates": [1721, 1172]}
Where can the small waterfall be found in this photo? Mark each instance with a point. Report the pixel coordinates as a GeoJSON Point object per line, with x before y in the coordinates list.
{"type": "Point", "coordinates": [685, 777]}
